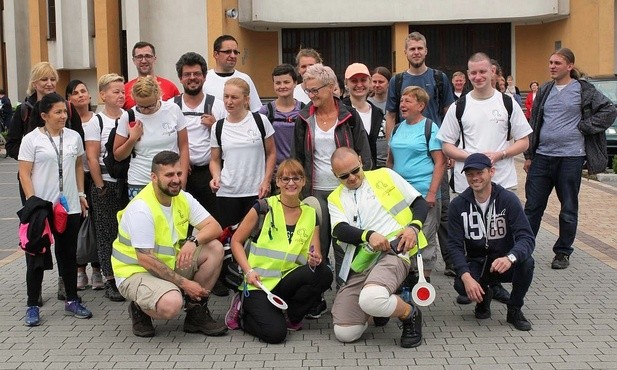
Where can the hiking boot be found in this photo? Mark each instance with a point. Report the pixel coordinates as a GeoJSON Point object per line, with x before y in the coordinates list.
{"type": "Point", "coordinates": [232, 318]}
{"type": "Point", "coordinates": [515, 317]}
{"type": "Point", "coordinates": [32, 316]}
{"type": "Point", "coordinates": [463, 299]}
{"type": "Point", "coordinates": [199, 320]}
{"type": "Point", "coordinates": [76, 309]}
{"type": "Point", "coordinates": [319, 309]}
{"type": "Point", "coordinates": [483, 309]}
{"type": "Point", "coordinates": [220, 290]}
{"type": "Point", "coordinates": [500, 293]}
{"type": "Point", "coordinates": [111, 291]}
{"type": "Point", "coordinates": [560, 262]}
{"type": "Point", "coordinates": [97, 281]}
{"type": "Point", "coordinates": [412, 329]}
{"type": "Point", "coordinates": [142, 323]}
{"type": "Point", "coordinates": [82, 280]}
{"type": "Point", "coordinates": [381, 321]}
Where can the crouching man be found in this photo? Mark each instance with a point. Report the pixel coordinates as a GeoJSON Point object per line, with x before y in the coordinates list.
{"type": "Point", "coordinates": [490, 241]}
{"type": "Point", "coordinates": [158, 268]}
{"type": "Point", "coordinates": [369, 210]}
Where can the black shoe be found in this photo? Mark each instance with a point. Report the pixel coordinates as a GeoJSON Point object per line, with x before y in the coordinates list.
{"type": "Point", "coordinates": [410, 281]}
{"type": "Point", "coordinates": [220, 290]}
{"type": "Point", "coordinates": [449, 271]}
{"type": "Point", "coordinates": [483, 309]}
{"type": "Point", "coordinates": [500, 293]}
{"type": "Point", "coordinates": [412, 329]}
{"type": "Point", "coordinates": [560, 262]}
{"type": "Point", "coordinates": [199, 320]}
{"type": "Point", "coordinates": [112, 292]}
{"type": "Point", "coordinates": [142, 323]}
{"type": "Point", "coordinates": [319, 309]}
{"type": "Point", "coordinates": [463, 299]}
{"type": "Point", "coordinates": [516, 318]}
{"type": "Point", "coordinates": [381, 321]}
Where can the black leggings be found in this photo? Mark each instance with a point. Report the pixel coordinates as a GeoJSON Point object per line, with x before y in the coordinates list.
{"type": "Point", "coordinates": [65, 250]}
{"type": "Point", "coordinates": [231, 210]}
{"type": "Point", "coordinates": [301, 289]}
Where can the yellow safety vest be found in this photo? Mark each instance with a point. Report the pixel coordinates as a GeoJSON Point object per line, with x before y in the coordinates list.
{"type": "Point", "coordinates": [124, 257]}
{"type": "Point", "coordinates": [273, 256]}
{"type": "Point", "coordinates": [390, 198]}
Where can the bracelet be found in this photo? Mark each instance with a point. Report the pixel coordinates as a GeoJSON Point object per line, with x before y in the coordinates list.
{"type": "Point", "coordinates": [249, 272]}
{"type": "Point", "coordinates": [504, 156]}
{"type": "Point", "coordinates": [81, 194]}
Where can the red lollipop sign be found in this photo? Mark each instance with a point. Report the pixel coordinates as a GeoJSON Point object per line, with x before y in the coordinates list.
{"type": "Point", "coordinates": [423, 293]}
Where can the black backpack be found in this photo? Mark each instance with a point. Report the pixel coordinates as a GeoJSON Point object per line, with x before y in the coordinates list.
{"type": "Point", "coordinates": [460, 109]}
{"type": "Point", "coordinates": [116, 169]}
{"type": "Point", "coordinates": [260, 125]}
{"type": "Point", "coordinates": [398, 84]}
{"type": "Point", "coordinates": [207, 109]}
{"type": "Point", "coordinates": [428, 124]}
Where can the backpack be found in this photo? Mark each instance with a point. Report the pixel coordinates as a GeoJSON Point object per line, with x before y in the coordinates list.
{"type": "Point", "coordinates": [428, 124]}
{"type": "Point", "coordinates": [260, 126]}
{"type": "Point", "coordinates": [398, 85]}
{"type": "Point", "coordinates": [207, 109]}
{"type": "Point", "coordinates": [270, 107]}
{"type": "Point", "coordinates": [116, 169]}
{"type": "Point", "coordinates": [460, 109]}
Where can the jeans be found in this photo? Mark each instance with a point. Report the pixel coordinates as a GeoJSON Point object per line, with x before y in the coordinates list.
{"type": "Point", "coordinates": [563, 174]}
{"type": "Point", "coordinates": [520, 275]}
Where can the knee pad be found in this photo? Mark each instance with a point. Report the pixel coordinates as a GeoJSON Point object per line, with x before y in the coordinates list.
{"type": "Point", "coordinates": [376, 301]}
{"type": "Point", "coordinates": [348, 334]}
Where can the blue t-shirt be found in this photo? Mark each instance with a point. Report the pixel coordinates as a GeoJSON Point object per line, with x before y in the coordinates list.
{"type": "Point", "coordinates": [427, 82]}
{"type": "Point", "coordinates": [283, 124]}
{"type": "Point", "coordinates": [411, 160]}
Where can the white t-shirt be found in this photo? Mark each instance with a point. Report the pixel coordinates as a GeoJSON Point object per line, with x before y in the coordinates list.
{"type": "Point", "coordinates": [92, 132]}
{"type": "Point", "coordinates": [300, 95]}
{"type": "Point", "coordinates": [199, 135]}
{"type": "Point", "coordinates": [366, 119]}
{"type": "Point", "coordinates": [36, 148]}
{"type": "Point", "coordinates": [323, 177]}
{"type": "Point", "coordinates": [160, 132]}
{"type": "Point", "coordinates": [244, 156]}
{"type": "Point", "coordinates": [215, 85]}
{"type": "Point", "coordinates": [362, 209]}
{"type": "Point", "coordinates": [137, 221]}
{"type": "Point", "coordinates": [485, 127]}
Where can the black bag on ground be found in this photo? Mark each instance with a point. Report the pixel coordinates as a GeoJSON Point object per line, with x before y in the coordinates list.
{"type": "Point", "coordinates": [86, 242]}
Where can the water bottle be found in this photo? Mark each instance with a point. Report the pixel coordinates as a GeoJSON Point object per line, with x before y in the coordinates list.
{"type": "Point", "coordinates": [406, 294]}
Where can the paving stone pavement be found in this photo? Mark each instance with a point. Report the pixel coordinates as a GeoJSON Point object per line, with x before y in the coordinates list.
{"type": "Point", "coordinates": [573, 311]}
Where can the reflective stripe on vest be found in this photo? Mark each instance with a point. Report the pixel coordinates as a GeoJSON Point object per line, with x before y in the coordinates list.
{"type": "Point", "coordinates": [124, 256]}
{"type": "Point", "coordinates": [273, 258]}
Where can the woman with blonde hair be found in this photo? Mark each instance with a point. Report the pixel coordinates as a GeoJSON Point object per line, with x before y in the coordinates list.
{"type": "Point", "coordinates": [158, 126]}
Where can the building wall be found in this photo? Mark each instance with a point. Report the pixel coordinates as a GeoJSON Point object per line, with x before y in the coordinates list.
{"type": "Point", "coordinates": [16, 38]}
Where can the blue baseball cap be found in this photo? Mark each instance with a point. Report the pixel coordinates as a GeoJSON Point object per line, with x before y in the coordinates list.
{"type": "Point", "coordinates": [477, 161]}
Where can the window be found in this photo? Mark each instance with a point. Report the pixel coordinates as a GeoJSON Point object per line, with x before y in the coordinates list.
{"type": "Point", "coordinates": [51, 19]}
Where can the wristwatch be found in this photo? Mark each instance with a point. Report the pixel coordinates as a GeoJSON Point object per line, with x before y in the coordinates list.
{"type": "Point", "coordinates": [512, 258]}
{"type": "Point", "coordinates": [193, 239]}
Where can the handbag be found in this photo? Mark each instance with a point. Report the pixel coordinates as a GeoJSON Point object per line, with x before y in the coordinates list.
{"type": "Point", "coordinates": [60, 215]}
{"type": "Point", "coordinates": [86, 242]}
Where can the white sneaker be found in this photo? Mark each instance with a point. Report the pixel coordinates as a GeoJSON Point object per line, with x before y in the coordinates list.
{"type": "Point", "coordinates": [82, 280]}
{"type": "Point", "coordinates": [97, 281]}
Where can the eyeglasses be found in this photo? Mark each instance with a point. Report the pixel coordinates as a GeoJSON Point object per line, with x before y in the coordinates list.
{"type": "Point", "coordinates": [314, 91]}
{"type": "Point", "coordinates": [191, 74]}
{"type": "Point", "coordinates": [142, 108]}
{"type": "Point", "coordinates": [295, 179]}
{"type": "Point", "coordinates": [229, 51]}
{"type": "Point", "coordinates": [142, 57]}
{"type": "Point", "coordinates": [354, 172]}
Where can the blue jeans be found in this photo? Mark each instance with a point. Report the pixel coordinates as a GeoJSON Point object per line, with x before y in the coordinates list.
{"type": "Point", "coordinates": [563, 174]}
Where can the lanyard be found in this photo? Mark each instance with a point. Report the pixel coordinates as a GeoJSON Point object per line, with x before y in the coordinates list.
{"type": "Point", "coordinates": [59, 156]}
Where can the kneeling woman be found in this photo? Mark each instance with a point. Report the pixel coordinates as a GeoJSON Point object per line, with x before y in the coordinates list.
{"type": "Point", "coordinates": [286, 258]}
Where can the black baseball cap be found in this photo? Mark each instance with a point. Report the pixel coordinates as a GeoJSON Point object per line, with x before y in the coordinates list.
{"type": "Point", "coordinates": [477, 161]}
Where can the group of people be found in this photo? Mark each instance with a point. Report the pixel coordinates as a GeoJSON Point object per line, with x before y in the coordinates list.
{"type": "Point", "coordinates": [365, 174]}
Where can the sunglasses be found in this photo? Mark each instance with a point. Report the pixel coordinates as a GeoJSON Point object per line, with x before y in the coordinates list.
{"type": "Point", "coordinates": [354, 172]}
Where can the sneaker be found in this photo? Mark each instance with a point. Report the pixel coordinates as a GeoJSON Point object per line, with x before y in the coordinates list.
{"type": "Point", "coordinates": [142, 323]}
{"type": "Point", "coordinates": [199, 320]}
{"type": "Point", "coordinates": [32, 316]}
{"type": "Point", "coordinates": [97, 281]}
{"type": "Point", "coordinates": [560, 262]}
{"type": "Point", "coordinates": [111, 291]}
{"type": "Point", "coordinates": [319, 309]}
{"type": "Point", "coordinates": [82, 280]}
{"type": "Point", "coordinates": [515, 317]}
{"type": "Point", "coordinates": [463, 299]}
{"type": "Point", "coordinates": [76, 309]}
{"type": "Point", "coordinates": [232, 318]}
{"type": "Point", "coordinates": [500, 293]}
{"type": "Point", "coordinates": [294, 326]}
{"type": "Point", "coordinates": [412, 329]}
{"type": "Point", "coordinates": [483, 309]}
{"type": "Point", "coordinates": [220, 290]}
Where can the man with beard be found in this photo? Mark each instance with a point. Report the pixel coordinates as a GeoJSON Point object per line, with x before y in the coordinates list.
{"type": "Point", "coordinates": [201, 111]}
{"type": "Point", "coordinates": [144, 58]}
{"type": "Point", "coordinates": [160, 269]}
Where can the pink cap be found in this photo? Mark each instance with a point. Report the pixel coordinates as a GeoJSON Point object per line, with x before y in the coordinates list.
{"type": "Point", "coordinates": [356, 69]}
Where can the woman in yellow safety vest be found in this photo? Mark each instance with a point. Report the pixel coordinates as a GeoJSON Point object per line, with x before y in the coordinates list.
{"type": "Point", "coordinates": [286, 258]}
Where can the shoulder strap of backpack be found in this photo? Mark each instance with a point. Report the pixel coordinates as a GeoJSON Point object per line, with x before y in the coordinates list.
{"type": "Point", "coordinates": [219, 131]}
{"type": "Point", "coordinates": [208, 103]}
{"type": "Point", "coordinates": [98, 116]}
{"type": "Point", "coordinates": [428, 125]}
{"type": "Point", "coordinates": [437, 75]}
{"type": "Point", "coordinates": [270, 115]}
{"type": "Point", "coordinates": [131, 113]}
{"type": "Point", "coordinates": [260, 126]}
{"type": "Point", "coordinates": [460, 109]}
{"type": "Point", "coordinates": [398, 86]}
{"type": "Point", "coordinates": [507, 102]}
{"type": "Point", "coordinates": [178, 100]}
{"type": "Point", "coordinates": [263, 210]}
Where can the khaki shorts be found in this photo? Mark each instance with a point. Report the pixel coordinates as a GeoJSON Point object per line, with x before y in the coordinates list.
{"type": "Point", "coordinates": [146, 290]}
{"type": "Point", "coordinates": [389, 272]}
